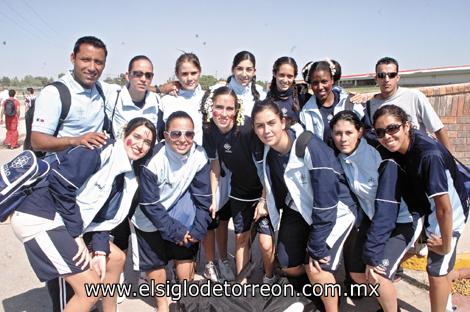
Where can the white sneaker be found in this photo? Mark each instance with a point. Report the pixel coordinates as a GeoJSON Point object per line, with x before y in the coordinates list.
{"type": "Point", "coordinates": [210, 272]}
{"type": "Point", "coordinates": [270, 280]}
{"type": "Point", "coordinates": [295, 307]}
{"type": "Point", "coordinates": [225, 270]}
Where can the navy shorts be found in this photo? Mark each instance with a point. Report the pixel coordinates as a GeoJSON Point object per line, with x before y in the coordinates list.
{"type": "Point", "coordinates": [223, 214]}
{"type": "Point", "coordinates": [243, 213]}
{"type": "Point", "coordinates": [120, 235]}
{"type": "Point", "coordinates": [439, 265]}
{"type": "Point", "coordinates": [150, 251]}
{"type": "Point", "coordinates": [401, 239]}
{"type": "Point", "coordinates": [50, 251]}
{"type": "Point", "coordinates": [293, 238]}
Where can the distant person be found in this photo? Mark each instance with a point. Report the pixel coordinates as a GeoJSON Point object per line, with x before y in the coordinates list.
{"type": "Point", "coordinates": [83, 124]}
{"type": "Point", "coordinates": [29, 103]}
{"type": "Point", "coordinates": [412, 101]}
{"type": "Point", "coordinates": [11, 110]}
{"type": "Point", "coordinates": [3, 94]}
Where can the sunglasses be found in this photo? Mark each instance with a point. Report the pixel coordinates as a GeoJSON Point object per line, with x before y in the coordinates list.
{"type": "Point", "coordinates": [383, 75]}
{"type": "Point", "coordinates": [139, 74]}
{"type": "Point", "coordinates": [176, 134]}
{"type": "Point", "coordinates": [390, 129]}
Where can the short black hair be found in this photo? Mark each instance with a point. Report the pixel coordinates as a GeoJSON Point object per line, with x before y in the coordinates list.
{"type": "Point", "coordinates": [386, 60]}
{"type": "Point", "coordinates": [97, 43]}
{"type": "Point", "coordinates": [11, 93]}
{"type": "Point", "coordinates": [177, 114]}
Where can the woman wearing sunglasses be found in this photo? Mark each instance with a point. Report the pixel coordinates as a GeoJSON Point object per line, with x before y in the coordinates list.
{"type": "Point", "coordinates": [173, 213]}
{"type": "Point", "coordinates": [318, 211]}
{"type": "Point", "coordinates": [188, 99]}
{"type": "Point", "coordinates": [327, 100]}
{"type": "Point", "coordinates": [385, 229]}
{"type": "Point", "coordinates": [87, 193]}
{"type": "Point", "coordinates": [134, 99]}
{"type": "Point", "coordinates": [229, 140]}
{"type": "Point", "coordinates": [431, 188]}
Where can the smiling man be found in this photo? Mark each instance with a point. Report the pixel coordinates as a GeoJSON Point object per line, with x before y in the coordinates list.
{"type": "Point", "coordinates": [83, 124]}
{"type": "Point", "coordinates": [412, 101]}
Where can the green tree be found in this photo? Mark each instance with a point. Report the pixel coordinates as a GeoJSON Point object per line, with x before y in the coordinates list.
{"type": "Point", "coordinates": [264, 84]}
{"type": "Point", "coordinates": [206, 81]}
{"type": "Point", "coordinates": [5, 81]}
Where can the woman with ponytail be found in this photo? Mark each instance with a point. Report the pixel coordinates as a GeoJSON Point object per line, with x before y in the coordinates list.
{"type": "Point", "coordinates": [289, 96]}
{"type": "Point", "coordinates": [243, 81]}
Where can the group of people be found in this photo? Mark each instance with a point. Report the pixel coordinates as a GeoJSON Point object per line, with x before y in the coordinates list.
{"type": "Point", "coordinates": [168, 169]}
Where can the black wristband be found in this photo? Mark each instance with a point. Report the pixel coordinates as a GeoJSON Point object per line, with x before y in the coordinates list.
{"type": "Point", "coordinates": [157, 90]}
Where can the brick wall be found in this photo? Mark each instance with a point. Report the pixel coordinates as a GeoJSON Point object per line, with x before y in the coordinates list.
{"type": "Point", "coordinates": [452, 104]}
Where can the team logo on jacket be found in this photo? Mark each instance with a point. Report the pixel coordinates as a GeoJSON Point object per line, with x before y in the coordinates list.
{"type": "Point", "coordinates": [228, 148]}
{"type": "Point", "coordinates": [284, 111]}
{"type": "Point", "coordinates": [385, 263]}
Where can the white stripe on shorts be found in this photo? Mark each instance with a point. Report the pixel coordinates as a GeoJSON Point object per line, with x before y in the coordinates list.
{"type": "Point", "coordinates": [135, 247]}
{"type": "Point", "coordinates": [46, 245]}
{"type": "Point", "coordinates": [445, 262]}
{"type": "Point", "coordinates": [419, 228]}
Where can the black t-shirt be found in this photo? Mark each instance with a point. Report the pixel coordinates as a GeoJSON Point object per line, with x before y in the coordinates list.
{"type": "Point", "coordinates": [235, 149]}
{"type": "Point", "coordinates": [277, 163]}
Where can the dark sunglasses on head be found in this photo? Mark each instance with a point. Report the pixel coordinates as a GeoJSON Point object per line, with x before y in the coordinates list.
{"type": "Point", "coordinates": [139, 74]}
{"type": "Point", "coordinates": [176, 134]}
{"type": "Point", "coordinates": [383, 75]}
{"type": "Point", "coordinates": [390, 129]}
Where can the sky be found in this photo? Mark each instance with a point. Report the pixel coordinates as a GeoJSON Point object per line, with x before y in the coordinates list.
{"type": "Point", "coordinates": [37, 37]}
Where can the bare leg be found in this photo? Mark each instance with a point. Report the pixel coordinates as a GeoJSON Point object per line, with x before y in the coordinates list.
{"type": "Point", "coordinates": [114, 268]}
{"type": "Point", "coordinates": [184, 270]}
{"type": "Point", "coordinates": [266, 245]}
{"type": "Point", "coordinates": [80, 301]}
{"type": "Point", "coordinates": [242, 251]}
{"type": "Point", "coordinates": [159, 276]}
{"type": "Point", "coordinates": [387, 292]}
{"type": "Point", "coordinates": [208, 243]}
{"type": "Point", "coordinates": [439, 290]}
{"type": "Point", "coordinates": [323, 277]}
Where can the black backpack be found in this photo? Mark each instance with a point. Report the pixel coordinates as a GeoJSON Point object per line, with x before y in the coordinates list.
{"type": "Point", "coordinates": [66, 101]}
{"type": "Point", "coordinates": [10, 109]}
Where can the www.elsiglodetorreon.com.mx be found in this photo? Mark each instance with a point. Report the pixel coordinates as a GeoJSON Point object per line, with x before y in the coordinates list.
{"type": "Point", "coordinates": [176, 291]}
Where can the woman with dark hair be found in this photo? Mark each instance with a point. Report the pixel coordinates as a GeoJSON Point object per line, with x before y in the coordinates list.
{"type": "Point", "coordinates": [188, 99]}
{"type": "Point", "coordinates": [243, 81]}
{"type": "Point", "coordinates": [385, 230]}
{"type": "Point", "coordinates": [87, 193]}
{"type": "Point", "coordinates": [173, 213]}
{"type": "Point", "coordinates": [432, 188]}
{"type": "Point", "coordinates": [328, 99]}
{"type": "Point", "coordinates": [229, 141]}
{"type": "Point", "coordinates": [318, 211]}
{"type": "Point", "coordinates": [289, 96]}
